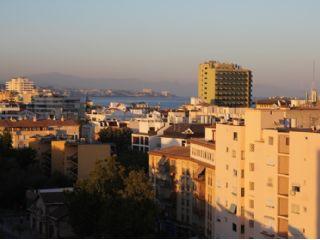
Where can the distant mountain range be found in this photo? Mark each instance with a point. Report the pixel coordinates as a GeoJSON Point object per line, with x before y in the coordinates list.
{"type": "Point", "coordinates": [187, 88]}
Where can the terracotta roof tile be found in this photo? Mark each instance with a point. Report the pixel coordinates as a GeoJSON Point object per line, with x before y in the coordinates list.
{"type": "Point", "coordinates": [175, 151]}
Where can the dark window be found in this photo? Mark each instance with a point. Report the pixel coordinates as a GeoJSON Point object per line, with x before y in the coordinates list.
{"type": "Point", "coordinates": [234, 227]}
{"type": "Point", "coordinates": [287, 141]}
{"type": "Point", "coordinates": [242, 228]}
{"type": "Point", "coordinates": [296, 188]}
{"type": "Point", "coordinates": [242, 192]}
{"type": "Point", "coordinates": [235, 136]}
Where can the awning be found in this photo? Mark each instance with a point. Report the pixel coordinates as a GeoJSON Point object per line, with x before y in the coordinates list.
{"type": "Point", "coordinates": [201, 172]}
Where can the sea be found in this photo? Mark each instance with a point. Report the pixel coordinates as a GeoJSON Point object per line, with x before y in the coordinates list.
{"type": "Point", "coordinates": [163, 102]}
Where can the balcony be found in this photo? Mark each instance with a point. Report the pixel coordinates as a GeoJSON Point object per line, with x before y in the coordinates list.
{"type": "Point", "coordinates": [283, 165]}
{"type": "Point", "coordinates": [282, 228]}
{"type": "Point", "coordinates": [283, 207]}
{"type": "Point", "coordinates": [283, 186]}
{"type": "Point", "coordinates": [283, 144]}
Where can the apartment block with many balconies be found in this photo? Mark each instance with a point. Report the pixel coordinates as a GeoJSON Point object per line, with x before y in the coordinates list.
{"type": "Point", "coordinates": [225, 84]}
{"type": "Point", "coordinates": [253, 178]}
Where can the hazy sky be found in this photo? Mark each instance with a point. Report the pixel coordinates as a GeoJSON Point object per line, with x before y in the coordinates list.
{"type": "Point", "coordinates": [160, 40]}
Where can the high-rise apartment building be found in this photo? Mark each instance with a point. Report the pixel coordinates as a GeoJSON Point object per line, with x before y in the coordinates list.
{"type": "Point", "coordinates": [225, 84]}
{"type": "Point", "coordinates": [20, 85]}
{"type": "Point", "coordinates": [257, 178]}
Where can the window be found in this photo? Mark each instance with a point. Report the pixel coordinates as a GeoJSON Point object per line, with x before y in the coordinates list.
{"type": "Point", "coordinates": [295, 188]}
{"type": "Point", "coordinates": [235, 173]}
{"type": "Point", "coordinates": [227, 167]}
{"type": "Point", "coordinates": [234, 227]}
{"type": "Point", "coordinates": [251, 203]}
{"type": "Point", "coordinates": [270, 140]}
{"type": "Point", "coordinates": [251, 147]}
{"type": "Point", "coordinates": [233, 153]}
{"type": "Point", "coordinates": [242, 229]}
{"type": "Point", "coordinates": [235, 136]}
{"type": "Point", "coordinates": [251, 167]}
{"type": "Point", "coordinates": [242, 211]}
{"type": "Point", "coordinates": [287, 141]}
{"type": "Point", "coordinates": [251, 186]}
{"type": "Point", "coordinates": [242, 173]}
{"type": "Point", "coordinates": [251, 223]}
{"type": "Point", "coordinates": [270, 182]}
{"type": "Point", "coordinates": [242, 192]}
{"type": "Point", "coordinates": [209, 181]}
{"type": "Point", "coordinates": [242, 155]}
{"type": "Point", "coordinates": [227, 149]}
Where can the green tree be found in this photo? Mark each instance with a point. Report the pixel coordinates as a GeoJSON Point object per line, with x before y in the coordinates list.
{"type": "Point", "coordinates": [133, 160]}
{"type": "Point", "coordinates": [20, 171]}
{"type": "Point", "coordinates": [121, 137]}
{"type": "Point", "coordinates": [118, 203]}
{"type": "Point", "coordinates": [138, 202]}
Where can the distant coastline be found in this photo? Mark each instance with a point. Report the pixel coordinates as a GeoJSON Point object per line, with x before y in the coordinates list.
{"type": "Point", "coordinates": [163, 102]}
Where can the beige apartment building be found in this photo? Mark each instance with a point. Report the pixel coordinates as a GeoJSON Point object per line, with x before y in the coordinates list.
{"type": "Point", "coordinates": [77, 160]}
{"type": "Point", "coordinates": [23, 130]}
{"type": "Point", "coordinates": [259, 177]}
{"type": "Point", "coordinates": [224, 84]}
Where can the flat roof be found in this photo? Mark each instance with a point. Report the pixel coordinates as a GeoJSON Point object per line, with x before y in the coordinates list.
{"type": "Point", "coordinates": [174, 151]}
{"type": "Point", "coordinates": [180, 153]}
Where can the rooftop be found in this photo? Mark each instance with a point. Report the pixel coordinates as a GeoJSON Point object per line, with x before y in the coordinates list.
{"type": "Point", "coordinates": [308, 130]}
{"type": "Point", "coordinates": [174, 151]}
{"type": "Point", "coordinates": [203, 142]}
{"type": "Point", "coordinates": [37, 123]}
{"type": "Point", "coordinates": [185, 130]}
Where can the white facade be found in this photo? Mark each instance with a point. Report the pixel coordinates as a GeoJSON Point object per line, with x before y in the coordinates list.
{"type": "Point", "coordinates": [171, 141]}
{"type": "Point", "coordinates": [177, 117]}
{"type": "Point", "coordinates": [20, 85]}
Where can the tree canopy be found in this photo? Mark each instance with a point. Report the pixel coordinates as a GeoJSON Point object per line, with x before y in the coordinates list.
{"type": "Point", "coordinates": [121, 137]}
{"type": "Point", "coordinates": [113, 203]}
{"type": "Point", "coordinates": [19, 171]}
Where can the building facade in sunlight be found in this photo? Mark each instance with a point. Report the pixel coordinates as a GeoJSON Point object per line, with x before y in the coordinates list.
{"type": "Point", "coordinates": [256, 177]}
{"type": "Point", "coordinates": [20, 85]}
{"type": "Point", "coordinates": [224, 84]}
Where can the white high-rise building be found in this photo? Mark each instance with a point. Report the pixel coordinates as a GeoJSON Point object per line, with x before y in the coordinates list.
{"type": "Point", "coordinates": [20, 85]}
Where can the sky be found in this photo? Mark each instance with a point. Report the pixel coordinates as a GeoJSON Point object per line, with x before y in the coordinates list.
{"type": "Point", "coordinates": [162, 40]}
